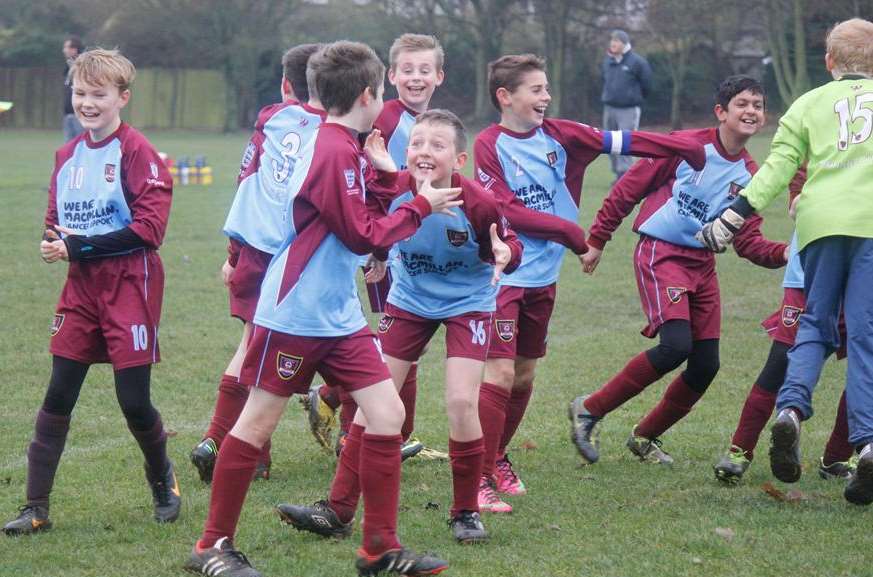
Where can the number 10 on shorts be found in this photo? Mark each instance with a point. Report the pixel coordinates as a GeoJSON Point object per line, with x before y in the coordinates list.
{"type": "Point", "coordinates": [140, 337]}
{"type": "Point", "coordinates": [478, 330]}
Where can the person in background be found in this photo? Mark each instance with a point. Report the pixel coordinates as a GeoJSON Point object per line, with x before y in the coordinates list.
{"type": "Point", "coordinates": [72, 128]}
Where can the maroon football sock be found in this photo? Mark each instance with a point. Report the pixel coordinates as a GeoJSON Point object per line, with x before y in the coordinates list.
{"type": "Point", "coordinates": [408, 394]}
{"type": "Point", "coordinates": [347, 412]}
{"type": "Point", "coordinates": [330, 395]}
{"type": "Point", "coordinates": [233, 473]}
{"type": "Point", "coordinates": [466, 459]}
{"type": "Point", "coordinates": [677, 402]}
{"type": "Point", "coordinates": [838, 447]}
{"type": "Point", "coordinates": [44, 454]}
{"type": "Point", "coordinates": [380, 486]}
{"type": "Point", "coordinates": [756, 412]}
{"type": "Point", "coordinates": [153, 444]}
{"type": "Point", "coordinates": [232, 396]}
{"type": "Point", "coordinates": [345, 491]}
{"type": "Point", "coordinates": [492, 416]}
{"type": "Point", "coordinates": [515, 409]}
{"type": "Point", "coordinates": [628, 383]}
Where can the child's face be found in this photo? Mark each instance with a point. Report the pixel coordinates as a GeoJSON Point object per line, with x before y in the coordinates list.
{"type": "Point", "coordinates": [527, 105]}
{"type": "Point", "coordinates": [432, 154]}
{"type": "Point", "coordinates": [744, 115]}
{"type": "Point", "coordinates": [98, 106]}
{"type": "Point", "coordinates": [415, 75]}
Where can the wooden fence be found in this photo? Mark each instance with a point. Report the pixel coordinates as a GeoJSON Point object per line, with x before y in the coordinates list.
{"type": "Point", "coordinates": [161, 98]}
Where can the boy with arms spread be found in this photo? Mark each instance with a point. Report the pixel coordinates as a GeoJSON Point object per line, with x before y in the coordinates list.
{"type": "Point", "coordinates": [675, 274]}
{"type": "Point", "coordinates": [109, 201]}
{"type": "Point", "coordinates": [535, 166]}
{"type": "Point", "coordinates": [309, 319]}
{"type": "Point", "coordinates": [782, 328]}
{"type": "Point", "coordinates": [257, 228]}
{"type": "Point", "coordinates": [446, 273]}
{"type": "Point", "coordinates": [415, 70]}
{"type": "Point", "coordinates": [831, 128]}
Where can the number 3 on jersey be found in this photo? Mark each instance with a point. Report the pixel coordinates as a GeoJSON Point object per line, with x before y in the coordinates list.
{"type": "Point", "coordinates": [291, 146]}
{"type": "Point", "coordinates": [478, 330]}
{"type": "Point", "coordinates": [847, 120]}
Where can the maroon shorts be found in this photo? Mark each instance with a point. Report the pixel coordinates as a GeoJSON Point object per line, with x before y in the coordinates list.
{"type": "Point", "coordinates": [405, 335]}
{"type": "Point", "coordinates": [677, 282]}
{"type": "Point", "coordinates": [109, 311]}
{"type": "Point", "coordinates": [378, 292]}
{"type": "Point", "coordinates": [285, 364]}
{"type": "Point", "coordinates": [244, 285]}
{"type": "Point", "coordinates": [521, 323]}
{"type": "Point", "coordinates": [782, 325]}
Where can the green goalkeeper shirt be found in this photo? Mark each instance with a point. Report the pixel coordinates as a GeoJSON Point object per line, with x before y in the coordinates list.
{"type": "Point", "coordinates": [831, 127]}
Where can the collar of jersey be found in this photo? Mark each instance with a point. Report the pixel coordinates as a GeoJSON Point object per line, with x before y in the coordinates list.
{"type": "Point", "coordinates": [101, 143]}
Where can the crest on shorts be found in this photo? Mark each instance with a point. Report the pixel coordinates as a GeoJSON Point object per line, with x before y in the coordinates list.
{"type": "Point", "coordinates": [505, 329]}
{"type": "Point", "coordinates": [109, 172]}
{"type": "Point", "coordinates": [349, 173]}
{"type": "Point", "coordinates": [552, 157]}
{"type": "Point", "coordinates": [790, 315]}
{"type": "Point", "coordinates": [57, 323]}
{"type": "Point", "coordinates": [457, 237]}
{"type": "Point", "coordinates": [674, 293]}
{"type": "Point", "coordinates": [288, 365]}
{"type": "Point", "coordinates": [734, 190]}
{"type": "Point", "coordinates": [385, 323]}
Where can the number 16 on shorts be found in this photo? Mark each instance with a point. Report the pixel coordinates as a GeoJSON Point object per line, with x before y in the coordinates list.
{"type": "Point", "coordinates": [478, 330]}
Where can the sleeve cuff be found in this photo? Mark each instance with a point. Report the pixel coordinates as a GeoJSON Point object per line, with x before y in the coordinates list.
{"type": "Point", "coordinates": [596, 242]}
{"type": "Point", "coordinates": [422, 206]}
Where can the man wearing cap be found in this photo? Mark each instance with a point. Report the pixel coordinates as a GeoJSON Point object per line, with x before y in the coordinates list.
{"type": "Point", "coordinates": [627, 79]}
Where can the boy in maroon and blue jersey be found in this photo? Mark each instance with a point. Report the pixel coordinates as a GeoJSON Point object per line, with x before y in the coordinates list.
{"type": "Point", "coordinates": [781, 327]}
{"type": "Point", "coordinates": [309, 319]}
{"type": "Point", "coordinates": [535, 166]}
{"type": "Point", "coordinates": [445, 274]}
{"type": "Point", "coordinates": [675, 274]}
{"type": "Point", "coordinates": [257, 227]}
{"type": "Point", "coordinates": [415, 70]}
{"type": "Point", "coordinates": [109, 201]}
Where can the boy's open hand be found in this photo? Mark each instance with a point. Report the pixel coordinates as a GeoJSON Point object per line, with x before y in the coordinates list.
{"type": "Point", "coordinates": [226, 273]}
{"type": "Point", "coordinates": [590, 259]}
{"type": "Point", "coordinates": [374, 146]}
{"type": "Point", "coordinates": [441, 200]}
{"type": "Point", "coordinates": [502, 254]}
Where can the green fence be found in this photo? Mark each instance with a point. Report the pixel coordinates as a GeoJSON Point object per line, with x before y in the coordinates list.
{"type": "Point", "coordinates": [162, 98]}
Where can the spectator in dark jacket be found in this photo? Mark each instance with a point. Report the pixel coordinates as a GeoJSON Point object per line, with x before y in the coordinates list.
{"type": "Point", "coordinates": [72, 48]}
{"type": "Point", "coordinates": [627, 79]}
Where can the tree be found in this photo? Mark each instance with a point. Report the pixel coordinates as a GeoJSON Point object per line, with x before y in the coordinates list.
{"type": "Point", "coordinates": [786, 33]}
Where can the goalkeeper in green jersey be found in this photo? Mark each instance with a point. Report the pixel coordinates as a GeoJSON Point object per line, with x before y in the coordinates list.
{"type": "Point", "coordinates": [831, 127]}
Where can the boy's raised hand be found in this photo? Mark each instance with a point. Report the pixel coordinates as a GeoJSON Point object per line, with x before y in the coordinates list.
{"type": "Point", "coordinates": [374, 146]}
{"type": "Point", "coordinates": [441, 200]}
{"type": "Point", "coordinates": [502, 254]}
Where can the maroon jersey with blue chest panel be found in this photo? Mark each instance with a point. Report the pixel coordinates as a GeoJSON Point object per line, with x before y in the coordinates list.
{"type": "Point", "coordinates": [110, 307]}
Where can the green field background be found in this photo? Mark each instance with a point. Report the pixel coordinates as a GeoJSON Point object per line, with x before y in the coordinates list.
{"type": "Point", "coordinates": [619, 518]}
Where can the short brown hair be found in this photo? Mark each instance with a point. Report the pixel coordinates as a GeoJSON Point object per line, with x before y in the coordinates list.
{"type": "Point", "coordinates": [416, 43]}
{"type": "Point", "coordinates": [342, 71]}
{"type": "Point", "coordinates": [294, 68]}
{"type": "Point", "coordinates": [99, 65]}
{"type": "Point", "coordinates": [507, 71]}
{"type": "Point", "coordinates": [850, 44]}
{"type": "Point", "coordinates": [447, 118]}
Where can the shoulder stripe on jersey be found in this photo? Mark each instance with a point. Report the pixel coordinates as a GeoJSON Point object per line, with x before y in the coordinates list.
{"type": "Point", "coordinates": [617, 142]}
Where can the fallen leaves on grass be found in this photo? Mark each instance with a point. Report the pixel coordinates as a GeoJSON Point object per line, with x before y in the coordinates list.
{"type": "Point", "coordinates": [792, 496]}
{"type": "Point", "coordinates": [725, 533]}
{"type": "Point", "coordinates": [529, 445]}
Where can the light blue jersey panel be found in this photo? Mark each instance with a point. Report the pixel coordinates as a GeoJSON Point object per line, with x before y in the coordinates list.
{"type": "Point", "coordinates": [535, 170]}
{"type": "Point", "coordinates": [90, 198]}
{"type": "Point", "coordinates": [399, 141]}
{"type": "Point", "coordinates": [793, 270]}
{"type": "Point", "coordinates": [259, 215]}
{"type": "Point", "coordinates": [698, 197]}
{"type": "Point", "coordinates": [324, 301]}
{"type": "Point", "coordinates": [437, 271]}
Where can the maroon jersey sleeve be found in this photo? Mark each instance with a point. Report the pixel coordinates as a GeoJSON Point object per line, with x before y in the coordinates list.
{"type": "Point", "coordinates": [751, 244]}
{"type": "Point", "coordinates": [581, 139]}
{"type": "Point", "coordinates": [148, 188]}
{"type": "Point", "coordinates": [483, 210]}
{"type": "Point", "coordinates": [233, 249]}
{"type": "Point", "coordinates": [387, 120]}
{"type": "Point", "coordinates": [521, 218]}
{"type": "Point", "coordinates": [643, 177]}
{"type": "Point", "coordinates": [340, 206]}
{"type": "Point", "coordinates": [382, 188]}
{"type": "Point", "coordinates": [51, 211]}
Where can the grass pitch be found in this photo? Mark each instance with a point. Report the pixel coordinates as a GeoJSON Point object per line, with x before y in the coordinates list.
{"type": "Point", "coordinates": [618, 518]}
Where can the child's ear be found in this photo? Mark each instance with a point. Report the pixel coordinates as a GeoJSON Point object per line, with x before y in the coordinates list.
{"type": "Point", "coordinates": [503, 97]}
{"type": "Point", "coordinates": [287, 91]}
{"type": "Point", "coordinates": [440, 76]}
{"type": "Point", "coordinates": [391, 76]}
{"type": "Point", "coordinates": [125, 97]}
{"type": "Point", "coordinates": [720, 113]}
{"type": "Point", "coordinates": [461, 160]}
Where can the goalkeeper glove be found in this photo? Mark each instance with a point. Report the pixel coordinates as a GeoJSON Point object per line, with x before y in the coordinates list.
{"type": "Point", "coordinates": [719, 233]}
